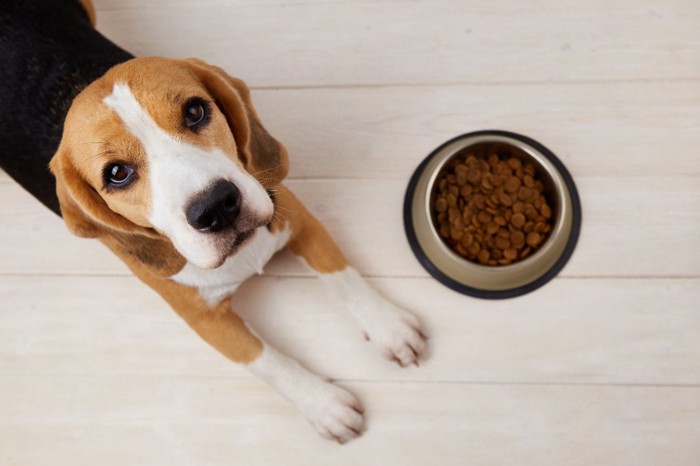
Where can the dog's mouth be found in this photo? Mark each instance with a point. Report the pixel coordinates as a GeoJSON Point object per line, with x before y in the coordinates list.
{"type": "Point", "coordinates": [242, 238]}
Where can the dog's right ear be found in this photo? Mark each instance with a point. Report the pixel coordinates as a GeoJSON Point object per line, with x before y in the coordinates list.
{"type": "Point", "coordinates": [84, 211]}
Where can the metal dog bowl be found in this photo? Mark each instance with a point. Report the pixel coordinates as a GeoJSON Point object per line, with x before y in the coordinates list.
{"type": "Point", "coordinates": [484, 281]}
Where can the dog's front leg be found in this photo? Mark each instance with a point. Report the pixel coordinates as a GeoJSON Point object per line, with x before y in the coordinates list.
{"type": "Point", "coordinates": [334, 412]}
{"type": "Point", "coordinates": [396, 332]}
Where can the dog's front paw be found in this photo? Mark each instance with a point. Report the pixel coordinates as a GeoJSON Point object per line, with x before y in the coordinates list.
{"type": "Point", "coordinates": [397, 333]}
{"type": "Point", "coordinates": [334, 412]}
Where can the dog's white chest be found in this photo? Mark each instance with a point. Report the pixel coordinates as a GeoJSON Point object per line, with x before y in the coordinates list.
{"type": "Point", "coordinates": [216, 284]}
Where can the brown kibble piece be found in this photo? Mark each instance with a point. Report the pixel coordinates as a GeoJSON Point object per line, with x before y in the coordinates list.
{"type": "Point", "coordinates": [546, 211]}
{"type": "Point", "coordinates": [505, 199]}
{"type": "Point", "coordinates": [502, 243]}
{"type": "Point", "coordinates": [467, 239]}
{"type": "Point", "coordinates": [484, 256]}
{"type": "Point", "coordinates": [441, 204]}
{"type": "Point", "coordinates": [524, 193]}
{"type": "Point", "coordinates": [533, 238]}
{"type": "Point", "coordinates": [518, 239]}
{"type": "Point", "coordinates": [512, 184]}
{"type": "Point", "coordinates": [510, 253]}
{"type": "Point", "coordinates": [465, 190]}
{"type": "Point", "coordinates": [517, 220]}
{"type": "Point", "coordinates": [484, 217]}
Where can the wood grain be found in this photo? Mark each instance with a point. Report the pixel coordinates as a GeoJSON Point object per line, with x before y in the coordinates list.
{"type": "Point", "coordinates": [601, 366]}
{"type": "Point", "coordinates": [159, 420]}
{"type": "Point", "coordinates": [292, 44]}
{"type": "Point", "coordinates": [610, 333]}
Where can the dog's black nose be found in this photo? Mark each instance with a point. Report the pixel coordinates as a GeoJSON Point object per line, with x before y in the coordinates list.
{"type": "Point", "coordinates": [216, 208]}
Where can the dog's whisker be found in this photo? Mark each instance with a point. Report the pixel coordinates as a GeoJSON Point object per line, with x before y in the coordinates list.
{"type": "Point", "coordinates": [267, 170]}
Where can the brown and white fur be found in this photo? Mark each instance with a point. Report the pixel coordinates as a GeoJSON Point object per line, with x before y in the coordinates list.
{"type": "Point", "coordinates": [134, 115]}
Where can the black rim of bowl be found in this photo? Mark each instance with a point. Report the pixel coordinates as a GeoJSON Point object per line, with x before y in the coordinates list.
{"type": "Point", "coordinates": [477, 292]}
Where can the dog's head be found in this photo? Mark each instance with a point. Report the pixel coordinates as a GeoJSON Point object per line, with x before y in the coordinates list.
{"type": "Point", "coordinates": [168, 147]}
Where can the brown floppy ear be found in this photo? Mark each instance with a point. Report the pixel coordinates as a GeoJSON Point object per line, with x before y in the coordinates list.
{"type": "Point", "coordinates": [85, 213]}
{"type": "Point", "coordinates": [264, 157]}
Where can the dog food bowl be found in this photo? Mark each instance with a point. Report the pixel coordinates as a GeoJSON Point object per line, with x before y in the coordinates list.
{"type": "Point", "coordinates": [493, 281]}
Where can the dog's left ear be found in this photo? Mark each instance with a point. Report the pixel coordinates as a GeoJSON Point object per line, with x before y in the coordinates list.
{"type": "Point", "coordinates": [264, 157]}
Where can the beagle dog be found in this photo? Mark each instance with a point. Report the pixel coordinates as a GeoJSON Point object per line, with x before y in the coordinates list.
{"type": "Point", "coordinates": [167, 163]}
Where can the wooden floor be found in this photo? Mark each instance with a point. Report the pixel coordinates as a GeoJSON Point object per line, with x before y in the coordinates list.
{"type": "Point", "coordinates": [599, 367]}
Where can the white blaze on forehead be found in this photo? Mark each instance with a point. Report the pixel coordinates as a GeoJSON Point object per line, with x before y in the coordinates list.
{"type": "Point", "coordinates": [137, 121]}
{"type": "Point", "coordinates": [177, 172]}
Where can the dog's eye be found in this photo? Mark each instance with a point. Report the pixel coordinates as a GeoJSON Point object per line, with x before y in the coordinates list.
{"type": "Point", "coordinates": [196, 113]}
{"type": "Point", "coordinates": [118, 174]}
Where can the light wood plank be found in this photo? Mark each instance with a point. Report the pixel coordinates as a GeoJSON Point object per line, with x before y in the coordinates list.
{"type": "Point", "coordinates": [641, 226]}
{"type": "Point", "coordinates": [351, 43]}
{"type": "Point", "coordinates": [597, 129]}
{"type": "Point", "coordinates": [611, 129]}
{"type": "Point", "coordinates": [611, 331]}
{"type": "Point", "coordinates": [184, 421]}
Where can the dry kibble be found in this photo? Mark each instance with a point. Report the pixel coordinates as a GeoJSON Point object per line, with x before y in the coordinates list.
{"type": "Point", "coordinates": [502, 243]}
{"type": "Point", "coordinates": [489, 207]}
{"type": "Point", "coordinates": [474, 249]}
{"type": "Point", "coordinates": [505, 199]}
{"type": "Point", "coordinates": [467, 239]}
{"type": "Point", "coordinates": [524, 193]}
{"type": "Point", "coordinates": [513, 184]}
{"type": "Point", "coordinates": [518, 239]}
{"type": "Point", "coordinates": [533, 238]}
{"type": "Point", "coordinates": [484, 256]}
{"type": "Point", "coordinates": [484, 217]}
{"type": "Point", "coordinates": [510, 253]}
{"type": "Point", "coordinates": [517, 220]}
{"type": "Point", "coordinates": [465, 190]}
{"type": "Point", "coordinates": [546, 211]}
{"type": "Point", "coordinates": [441, 205]}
